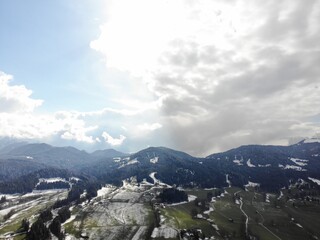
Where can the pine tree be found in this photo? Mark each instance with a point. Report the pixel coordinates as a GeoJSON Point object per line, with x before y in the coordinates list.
{"type": "Point", "coordinates": [38, 231]}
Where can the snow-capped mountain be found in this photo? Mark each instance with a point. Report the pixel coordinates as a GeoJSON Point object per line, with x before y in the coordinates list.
{"type": "Point", "coordinates": [252, 163]}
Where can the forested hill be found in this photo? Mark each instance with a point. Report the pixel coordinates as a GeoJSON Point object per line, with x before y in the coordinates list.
{"type": "Point", "coordinates": [247, 164]}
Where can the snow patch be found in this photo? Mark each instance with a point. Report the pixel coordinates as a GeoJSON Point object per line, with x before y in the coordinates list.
{"type": "Point", "coordinates": [191, 198]}
{"type": "Point", "coordinates": [252, 184]}
{"type": "Point", "coordinates": [299, 162]}
{"type": "Point", "coordinates": [249, 164]}
{"type": "Point", "coordinates": [133, 161]}
{"type": "Point", "coordinates": [227, 180]}
{"type": "Point", "coordinates": [84, 194]}
{"type": "Point", "coordinates": [239, 162]}
{"type": "Point", "coordinates": [267, 197]}
{"type": "Point", "coordinates": [210, 188]}
{"type": "Point", "coordinates": [130, 162]}
{"type": "Point", "coordinates": [73, 217]}
{"type": "Point", "coordinates": [51, 180]}
{"type": "Point", "coordinates": [281, 195]}
{"type": "Point", "coordinates": [200, 216]}
{"type": "Point", "coordinates": [295, 168]}
{"type": "Point", "coordinates": [74, 179]}
{"type": "Point", "coordinates": [208, 211]}
{"type": "Point", "coordinates": [300, 169]}
{"type": "Point", "coordinates": [175, 204]}
{"type": "Point", "coordinates": [145, 182]}
{"type": "Point", "coordinates": [152, 175]}
{"type": "Point", "coordinates": [317, 181]}
{"type": "Point", "coordinates": [157, 181]}
{"type": "Point", "coordinates": [164, 231]}
{"type": "Point", "coordinates": [154, 160]}
{"type": "Point", "coordinates": [215, 227]}
{"type": "Point", "coordinates": [105, 190]}
{"type": "Point", "coordinates": [267, 165]}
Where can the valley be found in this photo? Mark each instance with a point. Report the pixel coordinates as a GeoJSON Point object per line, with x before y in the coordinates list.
{"type": "Point", "coordinates": [160, 120]}
{"type": "Point", "coordinates": [244, 193]}
{"type": "Point", "coordinates": [131, 212]}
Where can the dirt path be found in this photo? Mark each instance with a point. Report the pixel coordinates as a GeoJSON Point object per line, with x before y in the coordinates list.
{"type": "Point", "coordinates": [241, 204]}
{"type": "Point", "coordinates": [247, 218]}
{"type": "Point", "coordinates": [262, 225]}
{"type": "Point", "coordinates": [269, 231]}
{"type": "Point", "coordinates": [244, 213]}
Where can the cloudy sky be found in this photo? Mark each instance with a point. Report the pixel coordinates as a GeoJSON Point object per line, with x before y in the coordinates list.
{"type": "Point", "coordinates": [196, 75]}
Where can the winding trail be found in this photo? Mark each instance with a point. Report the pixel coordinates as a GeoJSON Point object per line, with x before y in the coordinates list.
{"type": "Point", "coordinates": [236, 192]}
{"type": "Point", "coordinates": [247, 218]}
{"type": "Point", "coordinates": [244, 213]}
{"type": "Point", "coordinates": [262, 225]}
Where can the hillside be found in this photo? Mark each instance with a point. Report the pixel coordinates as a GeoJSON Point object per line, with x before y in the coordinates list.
{"type": "Point", "coordinates": [259, 164]}
{"type": "Point", "coordinates": [254, 163]}
{"type": "Point", "coordinates": [250, 192]}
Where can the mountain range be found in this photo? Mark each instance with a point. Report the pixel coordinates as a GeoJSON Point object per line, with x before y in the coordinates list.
{"type": "Point", "coordinates": [240, 166]}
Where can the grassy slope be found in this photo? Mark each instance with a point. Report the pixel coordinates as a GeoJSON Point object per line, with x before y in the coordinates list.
{"type": "Point", "coordinates": [268, 221]}
{"type": "Point", "coordinates": [276, 216]}
{"type": "Point", "coordinates": [14, 223]}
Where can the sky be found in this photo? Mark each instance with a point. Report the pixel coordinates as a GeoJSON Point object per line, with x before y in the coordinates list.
{"type": "Point", "coordinates": [201, 76]}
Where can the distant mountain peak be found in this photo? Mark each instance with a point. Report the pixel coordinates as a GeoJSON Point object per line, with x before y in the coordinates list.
{"type": "Point", "coordinates": [312, 140]}
{"type": "Point", "coordinates": [108, 153]}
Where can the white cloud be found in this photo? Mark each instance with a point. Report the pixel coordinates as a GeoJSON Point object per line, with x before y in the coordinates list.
{"type": "Point", "coordinates": [113, 141]}
{"type": "Point", "coordinates": [211, 74]}
{"type": "Point", "coordinates": [149, 126]}
{"type": "Point", "coordinates": [144, 131]}
{"type": "Point", "coordinates": [43, 127]}
{"type": "Point", "coordinates": [79, 133]}
{"type": "Point", "coordinates": [23, 121]}
{"type": "Point", "coordinates": [15, 98]}
{"type": "Point", "coordinates": [27, 126]}
{"type": "Point", "coordinates": [126, 43]}
{"type": "Point", "coordinates": [18, 117]}
{"type": "Point", "coordinates": [133, 107]}
{"type": "Point", "coordinates": [221, 68]}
